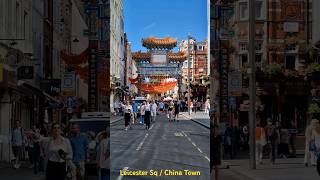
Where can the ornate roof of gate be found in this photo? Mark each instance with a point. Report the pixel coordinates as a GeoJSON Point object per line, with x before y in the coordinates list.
{"type": "Point", "coordinates": [159, 43]}
{"type": "Point", "coordinates": [146, 56]}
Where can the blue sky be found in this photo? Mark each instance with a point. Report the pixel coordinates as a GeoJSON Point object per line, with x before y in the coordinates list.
{"type": "Point", "coordinates": [160, 18]}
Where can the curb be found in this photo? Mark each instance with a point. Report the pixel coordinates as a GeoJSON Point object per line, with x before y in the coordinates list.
{"type": "Point", "coordinates": [196, 121]}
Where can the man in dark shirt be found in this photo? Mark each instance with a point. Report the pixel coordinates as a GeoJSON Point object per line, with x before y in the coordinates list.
{"type": "Point", "coordinates": [215, 151]}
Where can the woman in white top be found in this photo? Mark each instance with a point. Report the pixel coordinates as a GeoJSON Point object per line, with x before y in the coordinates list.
{"type": "Point", "coordinates": [127, 114]}
{"type": "Point", "coordinates": [58, 151]}
{"type": "Point", "coordinates": [315, 135]}
{"type": "Point", "coordinates": [142, 112]}
{"type": "Point", "coordinates": [309, 156]}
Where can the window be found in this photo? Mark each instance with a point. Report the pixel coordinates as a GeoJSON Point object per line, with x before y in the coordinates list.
{"type": "Point", "coordinates": [291, 47]}
{"type": "Point", "coordinates": [259, 6]}
{"type": "Point", "coordinates": [244, 13]}
{"type": "Point", "coordinates": [243, 46]}
{"type": "Point", "coordinates": [243, 60]}
{"type": "Point", "coordinates": [290, 62]}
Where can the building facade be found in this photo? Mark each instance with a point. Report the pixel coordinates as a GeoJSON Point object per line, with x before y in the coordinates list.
{"type": "Point", "coordinates": [117, 49]}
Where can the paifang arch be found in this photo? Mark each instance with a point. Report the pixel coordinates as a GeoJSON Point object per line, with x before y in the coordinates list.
{"type": "Point", "coordinates": [159, 68]}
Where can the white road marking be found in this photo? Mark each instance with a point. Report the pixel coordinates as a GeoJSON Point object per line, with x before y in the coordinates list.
{"type": "Point", "coordinates": [151, 127]}
{"type": "Point", "coordinates": [178, 134]}
{"type": "Point", "coordinates": [194, 144]}
{"type": "Point", "coordinates": [124, 169]}
{"type": "Point", "coordinates": [207, 158]}
{"type": "Point", "coordinates": [140, 145]}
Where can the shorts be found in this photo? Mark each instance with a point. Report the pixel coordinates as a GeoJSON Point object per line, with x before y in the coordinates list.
{"type": "Point", "coordinates": [17, 151]}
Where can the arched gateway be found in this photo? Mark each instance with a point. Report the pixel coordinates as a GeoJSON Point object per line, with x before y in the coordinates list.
{"type": "Point", "coordinates": [159, 69]}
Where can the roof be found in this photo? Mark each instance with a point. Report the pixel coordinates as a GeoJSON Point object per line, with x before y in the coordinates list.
{"type": "Point", "coordinates": [179, 56]}
{"type": "Point", "coordinates": [152, 42]}
{"type": "Point", "coordinates": [140, 56]}
{"type": "Point", "coordinates": [146, 56]}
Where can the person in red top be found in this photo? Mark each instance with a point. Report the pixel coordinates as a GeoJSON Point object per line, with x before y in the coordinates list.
{"type": "Point", "coordinates": [260, 142]}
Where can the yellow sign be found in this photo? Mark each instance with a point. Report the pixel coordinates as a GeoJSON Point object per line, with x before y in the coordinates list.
{"type": "Point", "coordinates": [67, 93]}
{"type": "Point", "coordinates": [1, 72]}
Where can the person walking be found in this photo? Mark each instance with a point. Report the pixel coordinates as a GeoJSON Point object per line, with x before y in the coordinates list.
{"type": "Point", "coordinates": [260, 142]}
{"type": "Point", "coordinates": [228, 141]}
{"type": "Point", "coordinates": [272, 137]}
{"type": "Point", "coordinates": [284, 143]}
{"type": "Point", "coordinates": [103, 156]}
{"type": "Point", "coordinates": [134, 111]}
{"type": "Point", "coordinates": [147, 115]}
{"type": "Point", "coordinates": [215, 153]}
{"type": "Point", "coordinates": [315, 144]}
{"type": "Point", "coordinates": [154, 108]}
{"type": "Point", "coordinates": [309, 157]}
{"type": "Point", "coordinates": [176, 111]}
{"type": "Point", "coordinates": [142, 112]}
{"type": "Point", "coordinates": [127, 115]}
{"type": "Point", "coordinates": [18, 142]}
{"type": "Point", "coordinates": [79, 144]}
{"type": "Point", "coordinates": [190, 106]}
{"type": "Point", "coordinates": [36, 150]}
{"type": "Point", "coordinates": [161, 106]}
{"type": "Point", "coordinates": [58, 151]}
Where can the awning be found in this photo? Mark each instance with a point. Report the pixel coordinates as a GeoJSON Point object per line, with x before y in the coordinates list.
{"type": "Point", "coordinates": [36, 89]}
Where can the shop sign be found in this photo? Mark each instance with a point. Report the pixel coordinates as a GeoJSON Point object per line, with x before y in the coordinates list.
{"type": "Point", "coordinates": [68, 84]}
{"type": "Point", "coordinates": [234, 83]}
{"type": "Point", "coordinates": [51, 86]}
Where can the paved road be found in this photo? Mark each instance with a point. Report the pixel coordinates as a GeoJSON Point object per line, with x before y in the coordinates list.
{"type": "Point", "coordinates": [182, 145]}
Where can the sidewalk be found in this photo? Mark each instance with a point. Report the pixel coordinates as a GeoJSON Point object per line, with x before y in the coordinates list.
{"type": "Point", "coordinates": [200, 117]}
{"type": "Point", "coordinates": [116, 118]}
{"type": "Point", "coordinates": [23, 172]}
{"type": "Point", "coordinates": [290, 169]}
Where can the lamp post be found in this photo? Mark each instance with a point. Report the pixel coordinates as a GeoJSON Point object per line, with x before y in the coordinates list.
{"type": "Point", "coordinates": [188, 74]}
{"type": "Point", "coordinates": [252, 83]}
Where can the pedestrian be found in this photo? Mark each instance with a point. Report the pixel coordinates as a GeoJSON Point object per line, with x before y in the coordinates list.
{"type": "Point", "coordinates": [154, 108]}
{"type": "Point", "coordinates": [309, 157]}
{"type": "Point", "coordinates": [284, 143]}
{"type": "Point", "coordinates": [79, 144]}
{"type": "Point", "coordinates": [207, 106]}
{"type": "Point", "coordinates": [36, 150]}
{"type": "Point", "coordinates": [29, 146]}
{"type": "Point", "coordinates": [272, 137]}
{"type": "Point", "coordinates": [215, 153]}
{"type": "Point", "coordinates": [142, 112]}
{"type": "Point", "coordinates": [127, 109]}
{"type": "Point", "coordinates": [147, 115]}
{"type": "Point", "coordinates": [176, 111]}
{"type": "Point", "coordinates": [134, 112]}
{"type": "Point", "coordinates": [103, 155]}
{"type": "Point", "coordinates": [58, 151]}
{"type": "Point", "coordinates": [199, 105]}
{"type": "Point", "coordinates": [228, 141]}
{"type": "Point", "coordinates": [292, 140]}
{"type": "Point", "coordinates": [18, 142]}
{"type": "Point", "coordinates": [315, 143]}
{"type": "Point", "coordinates": [260, 142]}
{"type": "Point", "coordinates": [161, 106]}
{"type": "Point", "coordinates": [190, 106]}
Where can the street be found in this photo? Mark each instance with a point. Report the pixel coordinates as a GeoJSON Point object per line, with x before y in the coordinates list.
{"type": "Point", "coordinates": [182, 145]}
{"type": "Point", "coordinates": [284, 169]}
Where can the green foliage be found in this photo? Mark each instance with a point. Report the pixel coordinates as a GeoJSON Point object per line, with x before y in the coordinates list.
{"type": "Point", "coordinates": [314, 109]}
{"type": "Point", "coordinates": [313, 67]}
{"type": "Point", "coordinates": [274, 69]}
